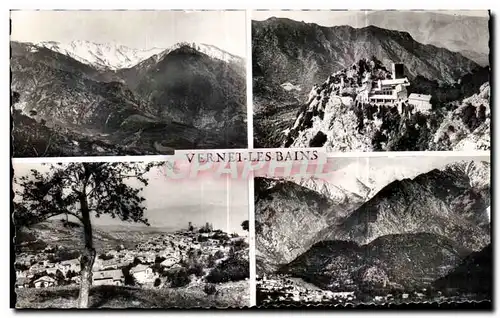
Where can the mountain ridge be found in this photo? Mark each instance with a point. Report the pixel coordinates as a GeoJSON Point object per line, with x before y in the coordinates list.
{"type": "Point", "coordinates": [325, 50]}
{"type": "Point", "coordinates": [389, 262]}
{"type": "Point", "coordinates": [410, 206]}
{"type": "Point", "coordinates": [115, 56]}
{"type": "Point", "coordinates": [77, 102]}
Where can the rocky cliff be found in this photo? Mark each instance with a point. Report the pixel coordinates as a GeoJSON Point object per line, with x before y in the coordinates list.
{"type": "Point", "coordinates": [334, 118]}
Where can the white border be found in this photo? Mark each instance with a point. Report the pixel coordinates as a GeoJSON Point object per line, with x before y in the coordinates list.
{"type": "Point", "coordinates": [198, 4]}
{"type": "Point", "coordinates": [251, 196]}
{"type": "Point", "coordinates": [181, 153]}
{"type": "Point", "coordinates": [391, 154]}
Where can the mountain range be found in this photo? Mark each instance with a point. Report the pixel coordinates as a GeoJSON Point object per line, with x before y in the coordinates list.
{"type": "Point", "coordinates": [411, 232]}
{"type": "Point", "coordinates": [304, 54]}
{"type": "Point", "coordinates": [292, 61]}
{"type": "Point", "coordinates": [185, 97]}
{"type": "Point", "coordinates": [468, 35]}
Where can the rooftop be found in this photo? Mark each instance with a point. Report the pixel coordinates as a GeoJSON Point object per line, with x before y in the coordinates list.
{"type": "Point", "coordinates": [45, 278]}
{"type": "Point", "coordinates": [422, 97]}
{"type": "Point", "coordinates": [138, 268]}
{"type": "Point", "coordinates": [114, 274]}
{"type": "Point", "coordinates": [71, 262]}
{"type": "Point", "coordinates": [395, 81]}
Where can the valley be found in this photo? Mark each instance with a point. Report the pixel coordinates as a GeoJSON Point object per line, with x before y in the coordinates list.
{"type": "Point", "coordinates": [403, 242]}
{"type": "Point", "coordinates": [189, 96]}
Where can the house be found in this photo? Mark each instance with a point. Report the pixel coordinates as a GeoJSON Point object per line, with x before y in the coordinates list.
{"type": "Point", "coordinates": [142, 273]}
{"type": "Point", "coordinates": [170, 261]}
{"type": "Point", "coordinates": [22, 282]}
{"type": "Point", "coordinates": [378, 298]}
{"type": "Point", "coordinates": [76, 279]}
{"type": "Point", "coordinates": [20, 273]}
{"type": "Point", "coordinates": [421, 102]}
{"type": "Point", "coordinates": [44, 281]}
{"type": "Point", "coordinates": [109, 277]}
{"type": "Point", "coordinates": [342, 294]}
{"type": "Point", "coordinates": [51, 270]}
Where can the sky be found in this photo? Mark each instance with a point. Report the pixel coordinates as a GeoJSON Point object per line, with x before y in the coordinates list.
{"type": "Point", "coordinates": [331, 18]}
{"type": "Point", "coordinates": [380, 167]}
{"type": "Point", "coordinates": [171, 204]}
{"type": "Point", "coordinates": [135, 29]}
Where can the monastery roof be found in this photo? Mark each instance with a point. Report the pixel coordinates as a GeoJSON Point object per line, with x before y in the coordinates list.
{"type": "Point", "coordinates": [394, 81]}
{"type": "Point", "coordinates": [422, 97]}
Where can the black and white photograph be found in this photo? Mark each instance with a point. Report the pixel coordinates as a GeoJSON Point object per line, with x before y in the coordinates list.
{"type": "Point", "coordinates": [371, 80]}
{"type": "Point", "coordinates": [123, 235]}
{"type": "Point", "coordinates": [376, 230]}
{"type": "Point", "coordinates": [92, 83]}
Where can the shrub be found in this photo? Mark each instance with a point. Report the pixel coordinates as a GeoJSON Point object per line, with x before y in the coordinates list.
{"type": "Point", "coordinates": [129, 279]}
{"type": "Point", "coordinates": [211, 261]}
{"type": "Point", "coordinates": [240, 245]}
{"type": "Point", "coordinates": [157, 268]}
{"type": "Point", "coordinates": [159, 259]}
{"type": "Point", "coordinates": [70, 274]}
{"type": "Point", "coordinates": [195, 269]}
{"type": "Point", "coordinates": [219, 255]}
{"type": "Point", "coordinates": [258, 227]}
{"type": "Point", "coordinates": [157, 282]}
{"type": "Point", "coordinates": [106, 257]}
{"type": "Point", "coordinates": [222, 237]}
{"type": "Point", "coordinates": [202, 238]}
{"type": "Point", "coordinates": [232, 269]}
{"type": "Point", "coordinates": [244, 225]}
{"type": "Point", "coordinates": [178, 278]}
{"type": "Point", "coordinates": [21, 267]}
{"type": "Point", "coordinates": [209, 289]}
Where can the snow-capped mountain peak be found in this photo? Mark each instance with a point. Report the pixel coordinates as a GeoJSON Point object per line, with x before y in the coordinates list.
{"type": "Point", "coordinates": [210, 50]}
{"type": "Point", "coordinates": [114, 56]}
{"type": "Point", "coordinates": [104, 56]}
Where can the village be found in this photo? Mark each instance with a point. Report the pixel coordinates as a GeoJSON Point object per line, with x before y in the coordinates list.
{"type": "Point", "coordinates": [165, 260]}
{"type": "Point", "coordinates": [281, 288]}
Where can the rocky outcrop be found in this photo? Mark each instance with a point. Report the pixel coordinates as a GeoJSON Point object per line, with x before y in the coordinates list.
{"type": "Point", "coordinates": [467, 127]}
{"type": "Point", "coordinates": [334, 117]}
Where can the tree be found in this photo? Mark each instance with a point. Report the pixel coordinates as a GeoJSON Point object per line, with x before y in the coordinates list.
{"type": "Point", "coordinates": [60, 277]}
{"type": "Point", "coordinates": [82, 189]}
{"type": "Point", "coordinates": [157, 282]}
{"type": "Point", "coordinates": [244, 225]}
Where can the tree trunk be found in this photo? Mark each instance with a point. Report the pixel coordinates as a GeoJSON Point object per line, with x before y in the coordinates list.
{"type": "Point", "coordinates": [88, 257]}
